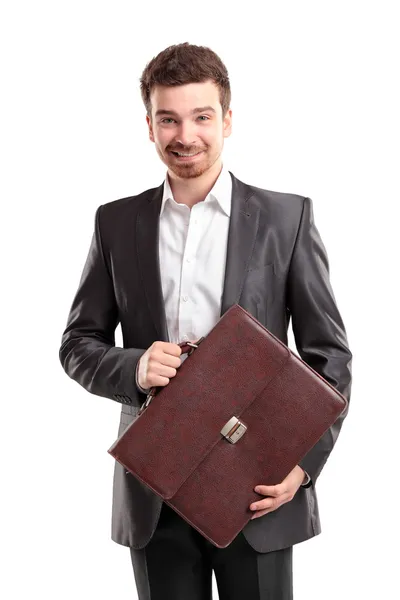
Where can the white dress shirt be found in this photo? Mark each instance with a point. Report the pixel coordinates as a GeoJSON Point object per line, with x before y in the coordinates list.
{"type": "Point", "coordinates": [192, 250]}
{"type": "Point", "coordinates": [192, 253]}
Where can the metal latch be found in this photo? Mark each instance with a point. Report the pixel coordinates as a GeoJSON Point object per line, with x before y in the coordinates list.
{"type": "Point", "coordinates": [233, 430]}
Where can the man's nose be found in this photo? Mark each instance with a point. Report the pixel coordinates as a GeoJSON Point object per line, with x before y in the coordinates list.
{"type": "Point", "coordinates": [186, 134]}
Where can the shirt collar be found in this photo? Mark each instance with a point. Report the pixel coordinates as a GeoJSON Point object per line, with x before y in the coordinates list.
{"type": "Point", "coordinates": [221, 192]}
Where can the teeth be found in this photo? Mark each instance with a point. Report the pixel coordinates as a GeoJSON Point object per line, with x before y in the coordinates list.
{"type": "Point", "coordinates": [180, 154]}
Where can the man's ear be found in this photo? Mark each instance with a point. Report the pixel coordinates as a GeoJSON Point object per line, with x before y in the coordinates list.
{"type": "Point", "coordinates": [149, 123]}
{"type": "Point", "coordinates": [228, 123]}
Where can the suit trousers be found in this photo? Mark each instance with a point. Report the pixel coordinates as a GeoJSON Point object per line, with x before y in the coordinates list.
{"type": "Point", "coordinates": [177, 564]}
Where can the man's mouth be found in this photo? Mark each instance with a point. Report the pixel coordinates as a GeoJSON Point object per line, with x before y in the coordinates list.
{"type": "Point", "coordinates": [185, 155]}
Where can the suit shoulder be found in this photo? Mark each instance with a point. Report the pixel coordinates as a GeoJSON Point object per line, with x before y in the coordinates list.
{"type": "Point", "coordinates": [271, 198]}
{"type": "Point", "coordinates": [128, 203]}
{"type": "Point", "coordinates": [278, 198]}
{"type": "Point", "coordinates": [116, 216]}
{"type": "Point", "coordinates": [284, 206]}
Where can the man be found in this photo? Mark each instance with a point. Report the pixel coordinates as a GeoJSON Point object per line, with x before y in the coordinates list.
{"type": "Point", "coordinates": [167, 264]}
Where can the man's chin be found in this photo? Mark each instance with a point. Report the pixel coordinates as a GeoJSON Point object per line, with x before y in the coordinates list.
{"type": "Point", "coordinates": [188, 171]}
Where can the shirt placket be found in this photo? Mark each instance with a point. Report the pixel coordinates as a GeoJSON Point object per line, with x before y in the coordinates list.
{"type": "Point", "coordinates": [186, 300]}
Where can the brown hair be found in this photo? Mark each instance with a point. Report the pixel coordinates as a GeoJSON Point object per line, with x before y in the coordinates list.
{"type": "Point", "coordinates": [185, 63]}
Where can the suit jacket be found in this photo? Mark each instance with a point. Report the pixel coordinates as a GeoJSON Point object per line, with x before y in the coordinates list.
{"type": "Point", "coordinates": [276, 268]}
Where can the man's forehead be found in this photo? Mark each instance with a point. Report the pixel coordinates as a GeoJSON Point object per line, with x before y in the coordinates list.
{"type": "Point", "coordinates": [189, 98]}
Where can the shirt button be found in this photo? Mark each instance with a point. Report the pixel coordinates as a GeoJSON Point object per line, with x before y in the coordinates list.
{"type": "Point", "coordinates": [185, 298]}
{"type": "Point", "coordinates": [188, 260]}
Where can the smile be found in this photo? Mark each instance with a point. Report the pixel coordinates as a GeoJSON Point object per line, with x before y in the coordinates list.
{"type": "Point", "coordinates": [183, 156]}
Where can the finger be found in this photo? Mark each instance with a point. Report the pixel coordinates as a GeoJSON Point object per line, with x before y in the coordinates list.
{"type": "Point", "coordinates": [165, 371]}
{"type": "Point", "coordinates": [169, 360]}
{"type": "Point", "coordinates": [155, 367]}
{"type": "Point", "coordinates": [173, 349]}
{"type": "Point", "coordinates": [168, 348]}
{"type": "Point", "coordinates": [270, 490]}
{"type": "Point", "coordinates": [268, 505]}
{"type": "Point", "coordinates": [163, 358]}
{"type": "Point", "coordinates": [158, 381]}
{"type": "Point", "coordinates": [263, 504]}
{"type": "Point", "coordinates": [260, 514]}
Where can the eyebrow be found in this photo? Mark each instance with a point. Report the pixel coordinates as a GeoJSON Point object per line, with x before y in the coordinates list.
{"type": "Point", "coordinates": [163, 111]}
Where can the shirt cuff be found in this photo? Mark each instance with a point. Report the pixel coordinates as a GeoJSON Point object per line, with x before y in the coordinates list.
{"type": "Point", "coordinates": [139, 387]}
{"type": "Point", "coordinates": [307, 479]}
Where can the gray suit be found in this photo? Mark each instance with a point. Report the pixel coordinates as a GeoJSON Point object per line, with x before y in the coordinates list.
{"type": "Point", "coordinates": [277, 269]}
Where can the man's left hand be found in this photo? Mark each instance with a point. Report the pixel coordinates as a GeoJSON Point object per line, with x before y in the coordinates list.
{"type": "Point", "coordinates": [277, 494]}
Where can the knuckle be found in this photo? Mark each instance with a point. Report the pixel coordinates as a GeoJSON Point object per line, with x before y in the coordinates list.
{"type": "Point", "coordinates": [152, 354]}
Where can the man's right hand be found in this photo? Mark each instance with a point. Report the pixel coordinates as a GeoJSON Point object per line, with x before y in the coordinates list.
{"type": "Point", "coordinates": [158, 364]}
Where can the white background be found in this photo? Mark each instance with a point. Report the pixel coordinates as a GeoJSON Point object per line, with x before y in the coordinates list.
{"type": "Point", "coordinates": [315, 112]}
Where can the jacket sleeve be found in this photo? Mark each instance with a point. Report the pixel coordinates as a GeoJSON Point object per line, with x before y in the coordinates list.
{"type": "Point", "coordinates": [88, 353]}
{"type": "Point", "coordinates": [318, 328]}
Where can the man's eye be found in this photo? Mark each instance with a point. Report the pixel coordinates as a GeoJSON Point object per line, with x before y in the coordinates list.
{"type": "Point", "coordinates": [166, 119]}
{"type": "Point", "coordinates": [204, 117]}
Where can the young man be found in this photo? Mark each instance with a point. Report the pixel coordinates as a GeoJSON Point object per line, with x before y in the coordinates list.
{"type": "Point", "coordinates": [167, 264]}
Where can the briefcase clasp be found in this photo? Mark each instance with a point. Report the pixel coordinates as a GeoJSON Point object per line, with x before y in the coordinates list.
{"type": "Point", "coordinates": [193, 345]}
{"type": "Point", "coordinates": [233, 430]}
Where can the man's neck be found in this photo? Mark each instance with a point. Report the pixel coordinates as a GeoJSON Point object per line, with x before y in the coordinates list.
{"type": "Point", "coordinates": [193, 190]}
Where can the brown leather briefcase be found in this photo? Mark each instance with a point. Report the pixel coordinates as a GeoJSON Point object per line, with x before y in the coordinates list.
{"type": "Point", "coordinates": [243, 409]}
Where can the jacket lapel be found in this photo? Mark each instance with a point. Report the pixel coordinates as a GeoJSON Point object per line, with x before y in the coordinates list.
{"type": "Point", "coordinates": [243, 226]}
{"type": "Point", "coordinates": [147, 234]}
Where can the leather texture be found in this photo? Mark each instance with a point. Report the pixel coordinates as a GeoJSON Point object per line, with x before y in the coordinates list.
{"type": "Point", "coordinates": [276, 269]}
{"type": "Point", "coordinates": [238, 370]}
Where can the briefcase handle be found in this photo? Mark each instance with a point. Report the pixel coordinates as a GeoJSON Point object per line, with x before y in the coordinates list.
{"type": "Point", "coordinates": [187, 348]}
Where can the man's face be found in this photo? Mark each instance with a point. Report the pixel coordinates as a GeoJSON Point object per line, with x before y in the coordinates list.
{"type": "Point", "coordinates": [178, 126]}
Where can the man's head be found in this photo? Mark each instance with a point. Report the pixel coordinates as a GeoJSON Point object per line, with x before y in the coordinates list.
{"type": "Point", "coordinates": [175, 85]}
